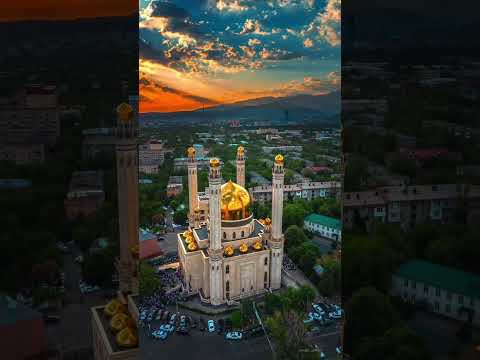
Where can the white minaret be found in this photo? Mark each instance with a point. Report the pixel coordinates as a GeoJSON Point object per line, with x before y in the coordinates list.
{"type": "Point", "coordinates": [241, 166]}
{"type": "Point", "coordinates": [127, 178]}
{"type": "Point", "coordinates": [215, 228]}
{"type": "Point", "coordinates": [192, 185]}
{"type": "Point", "coordinates": [276, 240]}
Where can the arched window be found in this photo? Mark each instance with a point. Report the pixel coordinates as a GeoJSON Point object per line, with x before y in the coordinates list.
{"type": "Point", "coordinates": [265, 277]}
{"type": "Point", "coordinates": [227, 286]}
{"type": "Point", "coordinates": [243, 233]}
{"type": "Point", "coordinates": [234, 235]}
{"type": "Point", "coordinates": [266, 261]}
{"type": "Point", "coordinates": [227, 269]}
{"type": "Point", "coordinates": [224, 235]}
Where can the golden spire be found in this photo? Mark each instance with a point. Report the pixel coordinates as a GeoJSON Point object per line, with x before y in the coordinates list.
{"type": "Point", "coordinates": [240, 150]}
{"type": "Point", "coordinates": [191, 152]}
{"type": "Point", "coordinates": [228, 250]}
{"type": "Point", "coordinates": [214, 163]}
{"type": "Point", "coordinates": [279, 159]}
{"type": "Point", "coordinates": [124, 112]}
{"type": "Point", "coordinates": [243, 248]}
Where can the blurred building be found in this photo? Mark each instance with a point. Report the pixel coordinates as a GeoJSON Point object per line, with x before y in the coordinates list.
{"type": "Point", "coordinates": [22, 331]}
{"type": "Point", "coordinates": [174, 186]}
{"type": "Point", "coordinates": [85, 194]}
{"type": "Point", "coordinates": [304, 190]}
{"type": "Point", "coordinates": [324, 226]}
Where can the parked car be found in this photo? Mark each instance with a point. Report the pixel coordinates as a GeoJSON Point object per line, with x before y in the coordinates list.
{"type": "Point", "coordinates": [167, 327]}
{"type": "Point", "coordinates": [318, 309]}
{"type": "Point", "coordinates": [211, 326]}
{"type": "Point", "coordinates": [160, 334]}
{"type": "Point", "coordinates": [173, 318]}
{"type": "Point", "coordinates": [233, 335]}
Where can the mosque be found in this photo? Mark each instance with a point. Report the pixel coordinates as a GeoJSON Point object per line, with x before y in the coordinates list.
{"type": "Point", "coordinates": [227, 254]}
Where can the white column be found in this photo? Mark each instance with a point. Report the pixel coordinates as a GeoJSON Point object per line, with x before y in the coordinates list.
{"type": "Point", "coordinates": [192, 185]}
{"type": "Point", "coordinates": [215, 228]}
{"type": "Point", "coordinates": [241, 166]}
{"type": "Point", "coordinates": [276, 241]}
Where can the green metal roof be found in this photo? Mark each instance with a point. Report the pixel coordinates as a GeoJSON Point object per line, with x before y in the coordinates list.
{"type": "Point", "coordinates": [325, 221]}
{"type": "Point", "coordinates": [444, 277]}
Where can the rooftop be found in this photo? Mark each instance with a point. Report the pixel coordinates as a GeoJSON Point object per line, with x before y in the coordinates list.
{"type": "Point", "coordinates": [453, 280]}
{"type": "Point", "coordinates": [325, 220]}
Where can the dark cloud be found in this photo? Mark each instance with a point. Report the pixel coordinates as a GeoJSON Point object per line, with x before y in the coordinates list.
{"type": "Point", "coordinates": [147, 52]}
{"type": "Point", "coordinates": [166, 9]}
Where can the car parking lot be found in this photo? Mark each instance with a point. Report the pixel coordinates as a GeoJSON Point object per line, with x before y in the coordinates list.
{"type": "Point", "coordinates": [198, 341]}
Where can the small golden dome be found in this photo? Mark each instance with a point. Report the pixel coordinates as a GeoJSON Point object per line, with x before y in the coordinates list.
{"type": "Point", "coordinates": [243, 248]}
{"type": "Point", "coordinates": [228, 251]}
{"type": "Point", "coordinates": [240, 150]}
{"type": "Point", "coordinates": [261, 221]}
{"type": "Point", "coordinates": [214, 163]}
{"type": "Point", "coordinates": [124, 112]}
{"type": "Point", "coordinates": [119, 322]}
{"type": "Point", "coordinates": [127, 338]}
{"type": "Point", "coordinates": [197, 210]}
{"type": "Point", "coordinates": [279, 159]}
{"type": "Point", "coordinates": [114, 307]}
{"type": "Point", "coordinates": [192, 246]}
{"type": "Point", "coordinates": [191, 151]}
{"type": "Point", "coordinates": [235, 201]}
{"type": "Point", "coordinates": [257, 245]}
{"type": "Point", "coordinates": [189, 239]}
{"type": "Point", "coordinates": [268, 221]}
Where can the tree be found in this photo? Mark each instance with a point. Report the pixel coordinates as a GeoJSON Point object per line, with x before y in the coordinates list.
{"type": "Point", "coordinates": [294, 236]}
{"type": "Point", "coordinates": [180, 217]}
{"type": "Point", "coordinates": [368, 314]}
{"type": "Point", "coordinates": [293, 214]}
{"type": "Point", "coordinates": [98, 268]}
{"type": "Point", "coordinates": [149, 282]}
{"type": "Point", "coordinates": [329, 282]}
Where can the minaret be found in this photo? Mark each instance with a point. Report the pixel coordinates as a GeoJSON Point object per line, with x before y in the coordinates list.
{"type": "Point", "coordinates": [215, 228]}
{"type": "Point", "coordinates": [241, 166]}
{"type": "Point", "coordinates": [276, 240]}
{"type": "Point", "coordinates": [192, 185]}
{"type": "Point", "coordinates": [127, 178]}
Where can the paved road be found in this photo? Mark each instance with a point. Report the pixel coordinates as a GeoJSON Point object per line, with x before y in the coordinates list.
{"type": "Point", "coordinates": [73, 332]}
{"type": "Point", "coordinates": [170, 243]}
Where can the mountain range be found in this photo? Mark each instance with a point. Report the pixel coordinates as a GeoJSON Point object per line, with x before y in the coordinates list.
{"type": "Point", "coordinates": [279, 109]}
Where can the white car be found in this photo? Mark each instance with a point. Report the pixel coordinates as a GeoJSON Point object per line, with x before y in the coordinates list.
{"type": "Point", "coordinates": [234, 335]}
{"type": "Point", "coordinates": [315, 316]}
{"type": "Point", "coordinates": [318, 309]}
{"type": "Point", "coordinates": [167, 327]}
{"type": "Point", "coordinates": [160, 334]}
{"type": "Point", "coordinates": [337, 314]}
{"type": "Point", "coordinates": [211, 326]}
{"type": "Point", "coordinates": [338, 349]}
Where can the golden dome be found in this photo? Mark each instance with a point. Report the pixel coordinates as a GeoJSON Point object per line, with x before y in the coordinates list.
{"type": "Point", "coordinates": [124, 112]}
{"type": "Point", "coordinates": [127, 338]}
{"type": "Point", "coordinates": [235, 201]}
{"type": "Point", "coordinates": [240, 150]}
{"type": "Point", "coordinates": [257, 245]}
{"type": "Point", "coordinates": [192, 246]}
{"type": "Point", "coordinates": [228, 251]}
{"type": "Point", "coordinates": [114, 307]}
{"type": "Point", "coordinates": [189, 239]}
{"type": "Point", "coordinates": [197, 210]}
{"type": "Point", "coordinates": [191, 151]}
{"type": "Point", "coordinates": [215, 163]}
{"type": "Point", "coordinates": [119, 322]}
{"type": "Point", "coordinates": [243, 248]}
{"type": "Point", "coordinates": [279, 159]}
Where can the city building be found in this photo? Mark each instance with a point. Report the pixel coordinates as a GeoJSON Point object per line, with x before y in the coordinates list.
{"type": "Point", "coordinates": [151, 153]}
{"type": "Point", "coordinates": [410, 205]}
{"type": "Point", "coordinates": [114, 325]}
{"type": "Point", "coordinates": [324, 226]}
{"type": "Point", "coordinates": [85, 194]}
{"type": "Point", "coordinates": [304, 190]}
{"type": "Point", "coordinates": [174, 186]}
{"type": "Point", "coordinates": [282, 149]}
{"type": "Point", "coordinates": [149, 246]}
{"type": "Point", "coordinates": [148, 168]}
{"type": "Point", "coordinates": [22, 153]}
{"type": "Point", "coordinates": [180, 164]}
{"type": "Point", "coordinates": [441, 289]}
{"type": "Point", "coordinates": [22, 331]}
{"type": "Point", "coordinates": [231, 255]}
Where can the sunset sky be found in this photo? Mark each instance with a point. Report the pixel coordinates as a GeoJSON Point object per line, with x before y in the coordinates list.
{"type": "Point", "coordinates": [196, 53]}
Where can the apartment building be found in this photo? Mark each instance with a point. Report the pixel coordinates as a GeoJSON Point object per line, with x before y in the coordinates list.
{"type": "Point", "coordinates": [440, 289]}
{"type": "Point", "coordinates": [409, 205]}
{"type": "Point", "coordinates": [304, 190]}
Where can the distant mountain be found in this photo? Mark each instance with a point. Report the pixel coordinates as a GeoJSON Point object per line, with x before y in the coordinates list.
{"type": "Point", "coordinates": [282, 109]}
